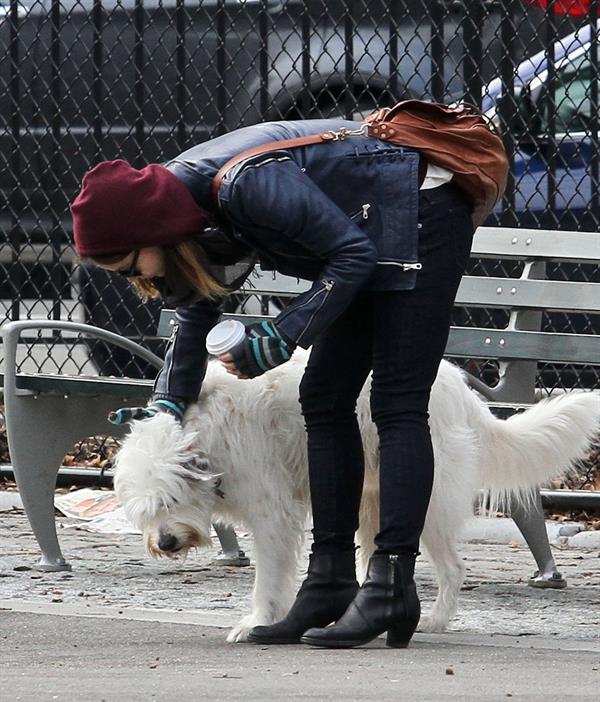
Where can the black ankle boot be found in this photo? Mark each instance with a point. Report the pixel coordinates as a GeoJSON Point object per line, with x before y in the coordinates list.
{"type": "Point", "coordinates": [324, 596]}
{"type": "Point", "coordinates": [387, 601]}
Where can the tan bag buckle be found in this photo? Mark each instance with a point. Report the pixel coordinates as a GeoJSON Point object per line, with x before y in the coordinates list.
{"type": "Point", "coordinates": [344, 132]}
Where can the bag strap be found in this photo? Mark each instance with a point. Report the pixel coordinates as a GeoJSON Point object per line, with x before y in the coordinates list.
{"type": "Point", "coordinates": [366, 129]}
{"type": "Point", "coordinates": [322, 138]}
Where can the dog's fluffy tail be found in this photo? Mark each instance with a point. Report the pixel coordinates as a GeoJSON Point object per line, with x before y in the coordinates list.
{"type": "Point", "coordinates": [544, 442]}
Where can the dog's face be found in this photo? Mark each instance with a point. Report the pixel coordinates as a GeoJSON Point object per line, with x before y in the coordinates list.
{"type": "Point", "coordinates": [165, 486]}
{"type": "Point", "coordinates": [172, 526]}
{"type": "Point", "coordinates": [173, 532]}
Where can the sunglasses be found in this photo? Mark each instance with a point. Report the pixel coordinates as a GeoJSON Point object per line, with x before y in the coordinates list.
{"type": "Point", "coordinates": [131, 271]}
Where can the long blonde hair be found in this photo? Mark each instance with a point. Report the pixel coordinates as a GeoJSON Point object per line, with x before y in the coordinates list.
{"type": "Point", "coordinates": [180, 258]}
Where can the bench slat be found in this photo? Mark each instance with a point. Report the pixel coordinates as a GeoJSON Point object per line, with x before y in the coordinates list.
{"type": "Point", "coordinates": [552, 295]}
{"type": "Point", "coordinates": [90, 386]}
{"type": "Point", "coordinates": [479, 291]}
{"type": "Point", "coordinates": [249, 318]}
{"type": "Point", "coordinates": [268, 283]}
{"type": "Point", "coordinates": [165, 323]}
{"type": "Point", "coordinates": [167, 320]}
{"type": "Point", "coordinates": [536, 244]}
{"type": "Point", "coordinates": [473, 342]}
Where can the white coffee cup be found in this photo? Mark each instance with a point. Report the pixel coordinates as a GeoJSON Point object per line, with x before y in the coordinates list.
{"type": "Point", "coordinates": [224, 336]}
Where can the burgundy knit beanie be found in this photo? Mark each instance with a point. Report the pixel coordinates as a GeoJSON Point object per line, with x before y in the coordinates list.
{"type": "Point", "coordinates": [120, 208]}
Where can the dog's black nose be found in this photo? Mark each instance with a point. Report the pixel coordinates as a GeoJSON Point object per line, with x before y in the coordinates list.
{"type": "Point", "coordinates": [167, 542]}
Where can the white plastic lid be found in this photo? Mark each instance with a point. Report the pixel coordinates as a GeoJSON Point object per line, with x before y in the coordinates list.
{"type": "Point", "coordinates": [224, 336]}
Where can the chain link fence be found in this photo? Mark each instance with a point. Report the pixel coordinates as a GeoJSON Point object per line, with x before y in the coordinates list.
{"type": "Point", "coordinates": [89, 80]}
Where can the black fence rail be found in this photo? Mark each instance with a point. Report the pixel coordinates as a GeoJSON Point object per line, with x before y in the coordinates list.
{"type": "Point", "coordinates": [84, 81]}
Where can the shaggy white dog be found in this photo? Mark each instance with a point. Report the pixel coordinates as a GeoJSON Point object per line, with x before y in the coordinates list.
{"type": "Point", "coordinates": [241, 459]}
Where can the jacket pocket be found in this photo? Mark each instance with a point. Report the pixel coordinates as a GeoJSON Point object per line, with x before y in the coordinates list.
{"type": "Point", "coordinates": [393, 219]}
{"type": "Point", "coordinates": [400, 208]}
{"type": "Point", "coordinates": [384, 194]}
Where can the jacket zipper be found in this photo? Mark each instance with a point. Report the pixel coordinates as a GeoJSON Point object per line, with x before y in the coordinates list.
{"type": "Point", "coordinates": [363, 212]}
{"type": "Point", "coordinates": [327, 285]}
{"type": "Point", "coordinates": [172, 340]}
{"type": "Point", "coordinates": [326, 289]}
{"type": "Point", "coordinates": [247, 165]}
{"type": "Point", "coordinates": [405, 266]}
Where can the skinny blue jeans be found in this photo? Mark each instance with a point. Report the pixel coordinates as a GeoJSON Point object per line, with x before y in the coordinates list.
{"type": "Point", "coordinates": [400, 336]}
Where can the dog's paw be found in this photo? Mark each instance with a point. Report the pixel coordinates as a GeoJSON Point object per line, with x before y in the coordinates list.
{"type": "Point", "coordinates": [432, 624]}
{"type": "Point", "coordinates": [239, 633]}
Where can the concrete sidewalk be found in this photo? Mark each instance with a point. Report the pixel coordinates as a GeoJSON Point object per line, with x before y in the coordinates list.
{"type": "Point", "coordinates": [124, 627]}
{"type": "Point", "coordinates": [49, 657]}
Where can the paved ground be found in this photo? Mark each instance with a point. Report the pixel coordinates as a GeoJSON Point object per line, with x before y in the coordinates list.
{"type": "Point", "coordinates": [75, 659]}
{"type": "Point", "coordinates": [136, 629]}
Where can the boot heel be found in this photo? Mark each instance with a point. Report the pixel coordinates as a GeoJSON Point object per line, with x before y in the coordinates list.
{"type": "Point", "coordinates": [400, 636]}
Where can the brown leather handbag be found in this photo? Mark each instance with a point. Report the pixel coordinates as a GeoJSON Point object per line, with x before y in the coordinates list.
{"type": "Point", "coordinates": [457, 138]}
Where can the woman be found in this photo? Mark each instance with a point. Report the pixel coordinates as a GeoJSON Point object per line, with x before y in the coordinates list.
{"type": "Point", "coordinates": [386, 251]}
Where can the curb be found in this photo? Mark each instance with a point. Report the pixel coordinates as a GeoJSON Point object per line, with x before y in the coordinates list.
{"type": "Point", "coordinates": [585, 539]}
{"type": "Point", "coordinates": [171, 616]}
{"type": "Point", "coordinates": [10, 500]}
{"type": "Point", "coordinates": [502, 530]}
{"type": "Point", "coordinates": [490, 530]}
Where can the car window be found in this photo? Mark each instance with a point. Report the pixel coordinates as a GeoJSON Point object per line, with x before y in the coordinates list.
{"type": "Point", "coordinates": [572, 97]}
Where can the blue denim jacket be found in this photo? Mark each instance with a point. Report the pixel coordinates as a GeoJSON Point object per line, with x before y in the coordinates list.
{"type": "Point", "coordinates": [342, 214]}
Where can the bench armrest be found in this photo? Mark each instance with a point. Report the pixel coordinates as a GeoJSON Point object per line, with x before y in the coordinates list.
{"type": "Point", "coordinates": [11, 331]}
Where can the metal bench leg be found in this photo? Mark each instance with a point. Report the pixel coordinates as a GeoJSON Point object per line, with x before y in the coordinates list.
{"type": "Point", "coordinates": [40, 432]}
{"type": "Point", "coordinates": [35, 465]}
{"type": "Point", "coordinates": [231, 554]}
{"type": "Point", "coordinates": [533, 527]}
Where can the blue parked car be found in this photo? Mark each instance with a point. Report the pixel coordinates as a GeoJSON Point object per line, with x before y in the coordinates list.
{"type": "Point", "coordinates": [552, 122]}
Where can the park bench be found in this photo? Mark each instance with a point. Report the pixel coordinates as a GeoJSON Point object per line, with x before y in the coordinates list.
{"type": "Point", "coordinates": [47, 414]}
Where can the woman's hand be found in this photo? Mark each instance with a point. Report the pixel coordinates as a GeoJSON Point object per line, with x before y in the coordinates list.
{"type": "Point", "coordinates": [130, 414]}
{"type": "Point", "coordinates": [229, 364]}
{"type": "Point", "coordinates": [262, 349]}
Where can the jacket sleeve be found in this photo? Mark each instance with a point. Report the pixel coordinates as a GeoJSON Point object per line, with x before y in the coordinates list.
{"type": "Point", "coordinates": [277, 200]}
{"type": "Point", "coordinates": [185, 360]}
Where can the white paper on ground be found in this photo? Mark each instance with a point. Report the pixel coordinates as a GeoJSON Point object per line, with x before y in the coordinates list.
{"type": "Point", "coordinates": [96, 510]}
